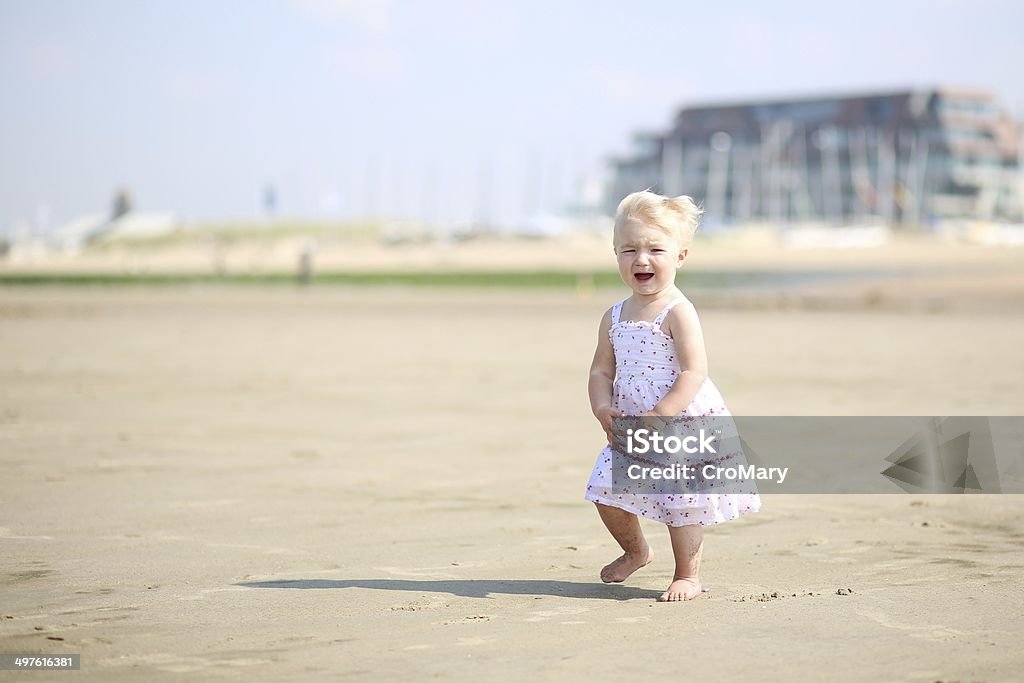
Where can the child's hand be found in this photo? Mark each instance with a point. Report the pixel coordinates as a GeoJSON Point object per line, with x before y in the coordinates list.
{"type": "Point", "coordinates": [654, 421]}
{"type": "Point", "coordinates": [605, 416]}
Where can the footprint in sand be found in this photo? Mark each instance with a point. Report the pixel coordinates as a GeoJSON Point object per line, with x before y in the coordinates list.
{"type": "Point", "coordinates": [25, 575]}
{"type": "Point", "coordinates": [933, 632]}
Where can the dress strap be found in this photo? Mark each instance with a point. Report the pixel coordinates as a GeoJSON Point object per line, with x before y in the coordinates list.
{"type": "Point", "coordinates": [616, 311]}
{"type": "Point", "coordinates": [664, 312]}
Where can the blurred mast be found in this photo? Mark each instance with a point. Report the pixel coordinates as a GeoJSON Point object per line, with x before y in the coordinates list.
{"type": "Point", "coordinates": [483, 196]}
{"type": "Point", "coordinates": [860, 176]}
{"type": "Point", "coordinates": [718, 174]}
{"type": "Point", "coordinates": [744, 182]}
{"type": "Point", "coordinates": [672, 166]}
{"type": "Point", "coordinates": [886, 175]}
{"type": "Point", "coordinates": [774, 177]}
{"type": "Point", "coordinates": [912, 183]}
{"type": "Point", "coordinates": [763, 174]}
{"type": "Point", "coordinates": [802, 198]}
{"type": "Point", "coordinates": [834, 192]}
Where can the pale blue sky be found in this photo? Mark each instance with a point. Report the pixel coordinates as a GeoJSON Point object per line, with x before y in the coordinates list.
{"type": "Point", "coordinates": [397, 107]}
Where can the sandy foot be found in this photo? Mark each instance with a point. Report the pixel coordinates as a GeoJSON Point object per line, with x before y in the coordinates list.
{"type": "Point", "coordinates": [619, 570]}
{"type": "Point", "coordinates": [681, 589]}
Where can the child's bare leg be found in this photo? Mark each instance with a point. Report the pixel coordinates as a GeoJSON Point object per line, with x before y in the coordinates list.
{"type": "Point", "coordinates": [625, 528]}
{"type": "Point", "coordinates": [687, 546]}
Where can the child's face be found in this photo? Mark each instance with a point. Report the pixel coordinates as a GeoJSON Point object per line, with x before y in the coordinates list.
{"type": "Point", "coordinates": [648, 258]}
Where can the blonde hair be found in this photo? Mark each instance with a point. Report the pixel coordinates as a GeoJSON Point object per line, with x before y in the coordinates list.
{"type": "Point", "coordinates": [676, 216]}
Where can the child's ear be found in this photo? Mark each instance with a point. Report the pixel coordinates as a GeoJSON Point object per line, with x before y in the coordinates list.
{"type": "Point", "coordinates": [682, 257]}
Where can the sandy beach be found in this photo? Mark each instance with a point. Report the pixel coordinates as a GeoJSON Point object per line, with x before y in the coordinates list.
{"type": "Point", "coordinates": [278, 483]}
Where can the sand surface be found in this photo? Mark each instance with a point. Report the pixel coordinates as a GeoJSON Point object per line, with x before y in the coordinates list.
{"type": "Point", "coordinates": [377, 484]}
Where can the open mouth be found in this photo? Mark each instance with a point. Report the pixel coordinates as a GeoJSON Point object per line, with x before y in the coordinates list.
{"type": "Point", "coordinates": [643, 277]}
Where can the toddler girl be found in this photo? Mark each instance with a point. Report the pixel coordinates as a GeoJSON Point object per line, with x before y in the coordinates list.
{"type": "Point", "coordinates": [650, 360]}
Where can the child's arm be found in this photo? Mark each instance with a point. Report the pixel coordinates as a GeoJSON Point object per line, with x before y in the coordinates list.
{"type": "Point", "coordinates": [684, 327]}
{"type": "Point", "coordinates": [602, 378]}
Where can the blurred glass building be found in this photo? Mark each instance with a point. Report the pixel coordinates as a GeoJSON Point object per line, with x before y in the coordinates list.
{"type": "Point", "coordinates": [900, 158]}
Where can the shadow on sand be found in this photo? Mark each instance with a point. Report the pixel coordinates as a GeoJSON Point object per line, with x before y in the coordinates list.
{"type": "Point", "coordinates": [469, 588]}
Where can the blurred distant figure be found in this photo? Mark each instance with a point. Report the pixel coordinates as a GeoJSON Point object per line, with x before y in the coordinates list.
{"type": "Point", "coordinates": [306, 262]}
{"type": "Point", "coordinates": [270, 200]}
{"type": "Point", "coordinates": [122, 204]}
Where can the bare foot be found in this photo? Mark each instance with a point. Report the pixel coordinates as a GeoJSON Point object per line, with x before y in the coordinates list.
{"type": "Point", "coordinates": [681, 589]}
{"type": "Point", "coordinates": [619, 570]}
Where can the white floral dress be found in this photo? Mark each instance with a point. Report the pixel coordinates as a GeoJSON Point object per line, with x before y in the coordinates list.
{"type": "Point", "coordinates": [645, 370]}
